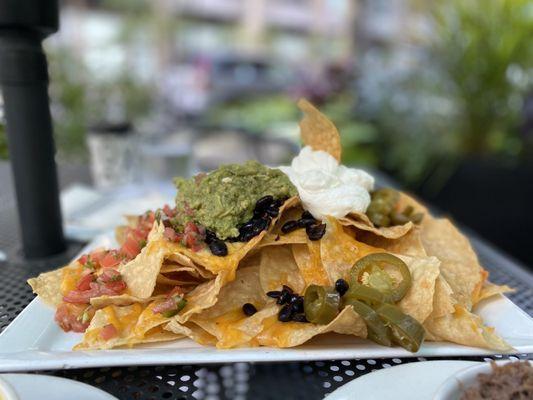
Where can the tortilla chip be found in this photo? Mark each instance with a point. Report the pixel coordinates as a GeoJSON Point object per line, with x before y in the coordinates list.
{"type": "Point", "coordinates": [48, 284]}
{"type": "Point", "coordinates": [290, 334]}
{"type": "Point", "coordinates": [410, 244]}
{"type": "Point", "coordinates": [278, 268]}
{"type": "Point", "coordinates": [120, 300]}
{"type": "Point", "coordinates": [181, 259]}
{"type": "Point", "coordinates": [295, 237]}
{"type": "Point", "coordinates": [201, 297]}
{"type": "Point", "coordinates": [338, 251]}
{"type": "Point", "coordinates": [361, 221]}
{"type": "Point", "coordinates": [307, 257]}
{"type": "Point", "coordinates": [418, 302]}
{"type": "Point", "coordinates": [459, 263]}
{"type": "Point", "coordinates": [192, 331]}
{"type": "Point", "coordinates": [317, 131]}
{"type": "Point", "coordinates": [490, 289]}
{"type": "Point", "coordinates": [466, 328]}
{"type": "Point", "coordinates": [140, 274]}
{"type": "Point", "coordinates": [443, 301]}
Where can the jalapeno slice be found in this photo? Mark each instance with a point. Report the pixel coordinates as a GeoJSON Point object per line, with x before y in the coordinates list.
{"type": "Point", "coordinates": [406, 331]}
{"type": "Point", "coordinates": [321, 304]}
{"type": "Point", "coordinates": [371, 269]}
{"type": "Point", "coordinates": [377, 331]}
{"type": "Point", "coordinates": [366, 294]}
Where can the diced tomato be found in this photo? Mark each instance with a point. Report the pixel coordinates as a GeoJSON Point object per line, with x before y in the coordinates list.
{"type": "Point", "coordinates": [82, 296]}
{"type": "Point", "coordinates": [115, 287]}
{"type": "Point", "coordinates": [131, 248]}
{"type": "Point", "coordinates": [169, 212]}
{"type": "Point", "coordinates": [83, 259]}
{"type": "Point", "coordinates": [167, 305]}
{"type": "Point", "coordinates": [98, 255]}
{"type": "Point", "coordinates": [84, 282]}
{"type": "Point", "coordinates": [190, 227]}
{"type": "Point", "coordinates": [111, 259]}
{"type": "Point", "coordinates": [110, 275]}
{"type": "Point", "coordinates": [67, 317]}
{"type": "Point", "coordinates": [176, 290]}
{"type": "Point", "coordinates": [170, 234]}
{"type": "Point", "coordinates": [108, 332]}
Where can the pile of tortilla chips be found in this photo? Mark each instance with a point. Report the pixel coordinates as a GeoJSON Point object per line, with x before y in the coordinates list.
{"type": "Point", "coordinates": [447, 280]}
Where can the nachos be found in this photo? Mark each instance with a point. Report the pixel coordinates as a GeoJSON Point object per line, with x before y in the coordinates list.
{"type": "Point", "coordinates": [256, 256]}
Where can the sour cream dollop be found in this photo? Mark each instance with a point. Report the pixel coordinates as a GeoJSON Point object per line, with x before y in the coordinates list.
{"type": "Point", "coordinates": [327, 188]}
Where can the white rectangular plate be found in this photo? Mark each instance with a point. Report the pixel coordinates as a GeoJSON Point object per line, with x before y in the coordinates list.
{"type": "Point", "coordinates": [33, 341]}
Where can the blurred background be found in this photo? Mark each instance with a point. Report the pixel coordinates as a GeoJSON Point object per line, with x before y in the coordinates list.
{"type": "Point", "coordinates": [438, 95]}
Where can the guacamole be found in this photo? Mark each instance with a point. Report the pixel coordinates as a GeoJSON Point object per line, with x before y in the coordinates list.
{"type": "Point", "coordinates": [224, 199]}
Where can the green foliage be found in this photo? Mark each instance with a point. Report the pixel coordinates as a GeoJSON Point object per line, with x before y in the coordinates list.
{"type": "Point", "coordinates": [3, 143]}
{"type": "Point", "coordinates": [255, 115]}
{"type": "Point", "coordinates": [485, 53]}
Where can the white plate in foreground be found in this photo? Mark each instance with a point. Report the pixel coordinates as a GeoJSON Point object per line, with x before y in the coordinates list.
{"type": "Point", "coordinates": [414, 381]}
{"type": "Point", "coordinates": [45, 387]}
{"type": "Point", "coordinates": [33, 341]}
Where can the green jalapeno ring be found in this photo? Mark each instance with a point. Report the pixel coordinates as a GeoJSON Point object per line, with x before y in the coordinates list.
{"type": "Point", "coordinates": [366, 294]}
{"type": "Point", "coordinates": [406, 331]}
{"type": "Point", "coordinates": [377, 331]}
{"type": "Point", "coordinates": [366, 264]}
{"type": "Point", "coordinates": [321, 304]}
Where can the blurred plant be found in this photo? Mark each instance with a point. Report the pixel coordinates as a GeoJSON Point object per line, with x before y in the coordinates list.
{"type": "Point", "coordinates": [486, 55]}
{"type": "Point", "coordinates": [255, 115]}
{"type": "Point", "coordinates": [3, 143]}
{"type": "Point", "coordinates": [453, 94]}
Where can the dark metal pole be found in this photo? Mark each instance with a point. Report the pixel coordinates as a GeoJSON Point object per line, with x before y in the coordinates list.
{"type": "Point", "coordinates": [24, 84]}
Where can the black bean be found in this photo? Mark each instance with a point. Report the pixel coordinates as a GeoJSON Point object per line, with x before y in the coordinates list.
{"type": "Point", "coordinates": [290, 226]}
{"type": "Point", "coordinates": [272, 211]}
{"type": "Point", "coordinates": [307, 215]}
{"type": "Point", "coordinates": [305, 222]}
{"type": "Point", "coordinates": [287, 289]}
{"type": "Point", "coordinates": [315, 232]}
{"type": "Point", "coordinates": [259, 213]}
{"type": "Point", "coordinates": [299, 318]}
{"type": "Point", "coordinates": [264, 202]}
{"type": "Point", "coordinates": [285, 314]}
{"type": "Point", "coordinates": [218, 248]}
{"type": "Point", "coordinates": [297, 304]}
{"type": "Point", "coordinates": [274, 294]}
{"type": "Point", "coordinates": [210, 236]}
{"type": "Point", "coordinates": [249, 309]}
{"type": "Point", "coordinates": [341, 286]}
{"type": "Point", "coordinates": [277, 203]}
{"type": "Point", "coordinates": [284, 298]}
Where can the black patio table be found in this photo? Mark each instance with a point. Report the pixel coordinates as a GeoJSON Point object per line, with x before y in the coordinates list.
{"type": "Point", "coordinates": [291, 380]}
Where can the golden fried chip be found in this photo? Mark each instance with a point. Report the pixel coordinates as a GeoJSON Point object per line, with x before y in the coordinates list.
{"type": "Point", "coordinates": [338, 251]}
{"type": "Point", "coordinates": [48, 285]}
{"type": "Point", "coordinates": [410, 244]}
{"type": "Point", "coordinates": [192, 331]}
{"type": "Point", "coordinates": [361, 222]}
{"type": "Point", "coordinates": [460, 266]}
{"type": "Point", "coordinates": [418, 302]}
{"type": "Point", "coordinates": [466, 328]}
{"type": "Point", "coordinates": [277, 268]}
{"type": "Point", "coordinates": [119, 300]}
{"type": "Point", "coordinates": [443, 301]}
{"type": "Point", "coordinates": [295, 237]}
{"type": "Point", "coordinates": [490, 289]}
{"type": "Point", "coordinates": [317, 131]}
{"type": "Point", "coordinates": [309, 263]}
{"type": "Point", "coordinates": [140, 274]}
{"type": "Point", "coordinates": [290, 334]}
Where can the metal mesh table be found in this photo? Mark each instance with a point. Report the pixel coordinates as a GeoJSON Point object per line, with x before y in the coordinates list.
{"type": "Point", "coordinates": [294, 380]}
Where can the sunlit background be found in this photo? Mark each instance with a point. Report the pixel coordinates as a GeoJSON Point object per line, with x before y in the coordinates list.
{"type": "Point", "coordinates": [438, 95]}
